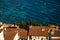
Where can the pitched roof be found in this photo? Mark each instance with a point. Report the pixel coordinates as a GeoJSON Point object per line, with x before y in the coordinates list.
{"type": "Point", "coordinates": [10, 33]}
{"type": "Point", "coordinates": [1, 30]}
{"type": "Point", "coordinates": [56, 33]}
{"type": "Point", "coordinates": [39, 30]}
{"type": "Point", "coordinates": [22, 33]}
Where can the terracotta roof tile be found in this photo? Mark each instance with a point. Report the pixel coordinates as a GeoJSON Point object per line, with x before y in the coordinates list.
{"type": "Point", "coordinates": [1, 30]}
{"type": "Point", "coordinates": [56, 33]}
{"type": "Point", "coordinates": [37, 30]}
{"type": "Point", "coordinates": [9, 33]}
{"type": "Point", "coordinates": [22, 33]}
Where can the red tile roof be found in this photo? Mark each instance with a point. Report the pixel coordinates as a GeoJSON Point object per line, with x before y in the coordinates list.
{"type": "Point", "coordinates": [10, 33]}
{"type": "Point", "coordinates": [37, 30]}
{"type": "Point", "coordinates": [22, 33]}
{"type": "Point", "coordinates": [1, 30]}
{"type": "Point", "coordinates": [56, 33]}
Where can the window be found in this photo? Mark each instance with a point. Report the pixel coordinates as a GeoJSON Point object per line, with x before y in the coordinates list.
{"type": "Point", "coordinates": [30, 37]}
{"type": "Point", "coordinates": [51, 30]}
{"type": "Point", "coordinates": [25, 39]}
{"type": "Point", "coordinates": [34, 39]}
{"type": "Point", "coordinates": [18, 39]}
{"type": "Point", "coordinates": [41, 38]}
{"type": "Point", "coordinates": [46, 37]}
{"type": "Point", "coordinates": [21, 39]}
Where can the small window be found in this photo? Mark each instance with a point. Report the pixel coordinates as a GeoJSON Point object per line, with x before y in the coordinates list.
{"type": "Point", "coordinates": [30, 37]}
{"type": "Point", "coordinates": [25, 39]}
{"type": "Point", "coordinates": [38, 37]}
{"type": "Point", "coordinates": [51, 30]}
{"type": "Point", "coordinates": [21, 39]}
{"type": "Point", "coordinates": [34, 39]}
{"type": "Point", "coordinates": [46, 37]}
{"type": "Point", "coordinates": [41, 38]}
{"type": "Point", "coordinates": [18, 39]}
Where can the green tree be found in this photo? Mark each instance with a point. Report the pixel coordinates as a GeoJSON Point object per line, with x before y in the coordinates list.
{"type": "Point", "coordinates": [59, 27]}
{"type": "Point", "coordinates": [39, 24]}
{"type": "Point", "coordinates": [17, 23]}
{"type": "Point", "coordinates": [32, 22]}
{"type": "Point", "coordinates": [24, 24]}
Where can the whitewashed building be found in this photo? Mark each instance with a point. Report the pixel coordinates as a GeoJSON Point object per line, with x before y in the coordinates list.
{"type": "Point", "coordinates": [41, 33]}
{"type": "Point", "coordinates": [1, 34]}
{"type": "Point", "coordinates": [55, 35]}
{"type": "Point", "coordinates": [10, 34]}
{"type": "Point", "coordinates": [34, 33]}
{"type": "Point", "coordinates": [23, 34]}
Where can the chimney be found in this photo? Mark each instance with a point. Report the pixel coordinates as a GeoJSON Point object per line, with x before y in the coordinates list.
{"type": "Point", "coordinates": [30, 26]}
{"type": "Point", "coordinates": [43, 29]}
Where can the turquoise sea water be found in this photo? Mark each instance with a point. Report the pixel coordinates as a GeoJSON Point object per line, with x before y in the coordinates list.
{"type": "Point", "coordinates": [44, 11]}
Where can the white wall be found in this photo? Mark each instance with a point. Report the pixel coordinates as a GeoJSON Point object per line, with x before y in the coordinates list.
{"type": "Point", "coordinates": [2, 27]}
{"type": "Point", "coordinates": [38, 37]}
{"type": "Point", "coordinates": [1, 36]}
{"type": "Point", "coordinates": [55, 37]}
{"type": "Point", "coordinates": [28, 37]}
{"type": "Point", "coordinates": [16, 37]}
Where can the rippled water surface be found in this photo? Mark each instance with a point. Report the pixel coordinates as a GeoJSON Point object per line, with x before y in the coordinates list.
{"type": "Point", "coordinates": [44, 11]}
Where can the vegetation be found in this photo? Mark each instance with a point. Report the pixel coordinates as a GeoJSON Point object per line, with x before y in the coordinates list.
{"type": "Point", "coordinates": [25, 25]}
{"type": "Point", "coordinates": [59, 27]}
